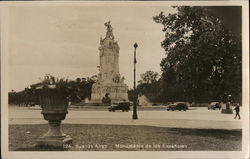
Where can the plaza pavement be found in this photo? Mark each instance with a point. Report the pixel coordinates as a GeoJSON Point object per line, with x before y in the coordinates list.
{"type": "Point", "coordinates": [197, 117]}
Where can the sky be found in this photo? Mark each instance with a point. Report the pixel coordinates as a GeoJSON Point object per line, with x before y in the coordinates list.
{"type": "Point", "coordinates": [63, 41]}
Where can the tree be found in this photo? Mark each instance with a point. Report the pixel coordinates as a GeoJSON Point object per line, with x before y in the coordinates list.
{"type": "Point", "coordinates": [149, 77]}
{"type": "Point", "coordinates": [82, 88]}
{"type": "Point", "coordinates": [149, 86]}
{"type": "Point", "coordinates": [131, 95]}
{"type": "Point", "coordinates": [202, 56]}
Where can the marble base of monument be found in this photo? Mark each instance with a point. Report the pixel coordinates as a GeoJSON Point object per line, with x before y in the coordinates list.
{"type": "Point", "coordinates": [117, 92]}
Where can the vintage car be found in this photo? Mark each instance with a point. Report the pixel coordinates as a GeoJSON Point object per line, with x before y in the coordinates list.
{"type": "Point", "coordinates": [124, 106]}
{"type": "Point", "coordinates": [177, 106]}
{"type": "Point", "coordinates": [214, 105]}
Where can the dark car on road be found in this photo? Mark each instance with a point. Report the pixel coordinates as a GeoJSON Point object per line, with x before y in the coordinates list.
{"type": "Point", "coordinates": [214, 105]}
{"type": "Point", "coordinates": [177, 106]}
{"type": "Point", "coordinates": [124, 106]}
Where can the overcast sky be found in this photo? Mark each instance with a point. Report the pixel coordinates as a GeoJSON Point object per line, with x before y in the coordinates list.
{"type": "Point", "coordinates": [64, 41]}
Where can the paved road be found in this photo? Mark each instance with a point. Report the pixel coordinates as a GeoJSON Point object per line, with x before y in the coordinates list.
{"type": "Point", "coordinates": [196, 118]}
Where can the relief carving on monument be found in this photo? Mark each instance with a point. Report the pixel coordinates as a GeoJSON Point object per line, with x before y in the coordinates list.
{"type": "Point", "coordinates": [99, 78]}
{"type": "Point", "coordinates": [123, 90]}
{"type": "Point", "coordinates": [101, 48]}
{"type": "Point", "coordinates": [113, 46]}
{"type": "Point", "coordinates": [106, 90]}
{"type": "Point", "coordinates": [116, 78]}
{"type": "Point", "coordinates": [93, 90]}
{"type": "Point", "coordinates": [116, 47]}
{"type": "Point", "coordinates": [122, 79]}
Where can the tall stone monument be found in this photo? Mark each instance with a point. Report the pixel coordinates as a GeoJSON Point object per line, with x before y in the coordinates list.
{"type": "Point", "coordinates": [109, 79]}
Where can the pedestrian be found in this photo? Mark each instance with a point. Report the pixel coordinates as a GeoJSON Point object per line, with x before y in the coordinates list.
{"type": "Point", "coordinates": [237, 109]}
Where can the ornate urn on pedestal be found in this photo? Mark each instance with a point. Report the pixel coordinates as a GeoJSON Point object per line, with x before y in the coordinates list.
{"type": "Point", "coordinates": [54, 103]}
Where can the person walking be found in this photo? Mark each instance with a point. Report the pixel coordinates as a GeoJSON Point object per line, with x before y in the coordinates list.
{"type": "Point", "coordinates": [237, 109]}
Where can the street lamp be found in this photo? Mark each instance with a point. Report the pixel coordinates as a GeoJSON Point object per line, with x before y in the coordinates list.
{"type": "Point", "coordinates": [135, 96]}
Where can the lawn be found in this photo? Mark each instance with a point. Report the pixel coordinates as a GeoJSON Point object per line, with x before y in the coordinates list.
{"type": "Point", "coordinates": [129, 138]}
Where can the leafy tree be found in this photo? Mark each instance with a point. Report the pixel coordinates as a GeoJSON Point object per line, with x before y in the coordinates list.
{"type": "Point", "coordinates": [81, 88]}
{"type": "Point", "coordinates": [131, 95]}
{"type": "Point", "coordinates": [149, 77]}
{"type": "Point", "coordinates": [149, 86]}
{"type": "Point", "coordinates": [203, 58]}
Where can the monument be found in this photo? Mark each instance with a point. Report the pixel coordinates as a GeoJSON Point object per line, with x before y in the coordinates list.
{"type": "Point", "coordinates": [109, 81]}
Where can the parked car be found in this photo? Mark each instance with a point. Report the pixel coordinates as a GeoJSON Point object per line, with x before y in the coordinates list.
{"type": "Point", "coordinates": [124, 106]}
{"type": "Point", "coordinates": [214, 105]}
{"type": "Point", "coordinates": [177, 106]}
{"type": "Point", "coordinates": [32, 103]}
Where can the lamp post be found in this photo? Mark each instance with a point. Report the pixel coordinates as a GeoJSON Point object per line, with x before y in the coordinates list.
{"type": "Point", "coordinates": [135, 96]}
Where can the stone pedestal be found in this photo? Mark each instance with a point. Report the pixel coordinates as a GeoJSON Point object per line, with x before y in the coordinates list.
{"type": "Point", "coordinates": [117, 92]}
{"type": "Point", "coordinates": [54, 137]}
{"type": "Point", "coordinates": [227, 109]}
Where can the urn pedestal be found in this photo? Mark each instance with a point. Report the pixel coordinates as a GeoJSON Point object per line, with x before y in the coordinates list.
{"type": "Point", "coordinates": [54, 109]}
{"type": "Point", "coordinates": [227, 109]}
{"type": "Point", "coordinates": [54, 137]}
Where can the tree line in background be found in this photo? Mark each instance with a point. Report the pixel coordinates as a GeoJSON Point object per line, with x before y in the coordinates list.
{"type": "Point", "coordinates": [203, 63]}
{"type": "Point", "coordinates": [79, 89]}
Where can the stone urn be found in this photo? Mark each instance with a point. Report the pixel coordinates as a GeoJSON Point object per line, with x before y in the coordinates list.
{"type": "Point", "coordinates": [54, 104]}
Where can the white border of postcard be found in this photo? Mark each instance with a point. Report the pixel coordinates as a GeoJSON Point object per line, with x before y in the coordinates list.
{"type": "Point", "coordinates": [122, 154]}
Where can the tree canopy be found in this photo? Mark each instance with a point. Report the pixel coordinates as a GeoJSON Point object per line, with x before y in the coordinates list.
{"type": "Point", "coordinates": [149, 86]}
{"type": "Point", "coordinates": [149, 77]}
{"type": "Point", "coordinates": [203, 58]}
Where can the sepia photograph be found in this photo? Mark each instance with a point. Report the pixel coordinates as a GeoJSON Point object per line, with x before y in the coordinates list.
{"type": "Point", "coordinates": [125, 79]}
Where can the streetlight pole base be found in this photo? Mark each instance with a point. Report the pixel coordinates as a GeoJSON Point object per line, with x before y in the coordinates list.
{"type": "Point", "coordinates": [135, 116]}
